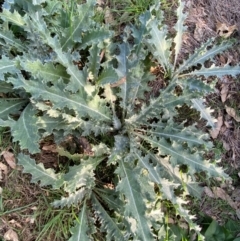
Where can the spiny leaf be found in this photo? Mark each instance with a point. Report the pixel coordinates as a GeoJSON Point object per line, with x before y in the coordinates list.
{"type": "Point", "coordinates": [158, 43]}
{"type": "Point", "coordinates": [179, 30]}
{"type": "Point", "coordinates": [203, 54]}
{"type": "Point", "coordinates": [67, 123]}
{"type": "Point", "coordinates": [123, 64]}
{"type": "Point", "coordinates": [161, 171]}
{"type": "Point", "coordinates": [10, 106]}
{"type": "Point", "coordinates": [122, 70]}
{"type": "Point", "coordinates": [25, 130]}
{"type": "Point", "coordinates": [94, 36]}
{"type": "Point", "coordinates": [80, 176]}
{"type": "Point", "coordinates": [79, 24]}
{"type": "Point", "coordinates": [215, 71]}
{"type": "Point", "coordinates": [80, 230]}
{"type": "Point", "coordinates": [135, 206]}
{"type": "Point", "coordinates": [136, 86]}
{"type": "Point", "coordinates": [50, 124]}
{"type": "Point", "coordinates": [196, 85]}
{"type": "Point", "coordinates": [109, 224]}
{"type": "Point", "coordinates": [78, 78]}
{"type": "Point", "coordinates": [166, 186]}
{"type": "Point", "coordinates": [147, 111]}
{"type": "Point", "coordinates": [73, 199]}
{"type": "Point", "coordinates": [13, 17]}
{"type": "Point", "coordinates": [7, 66]}
{"type": "Point", "coordinates": [205, 112]}
{"type": "Point", "coordinates": [39, 172]}
{"type": "Point", "coordinates": [108, 76]}
{"type": "Point", "coordinates": [181, 135]}
{"type": "Point", "coordinates": [60, 99]}
{"type": "Point", "coordinates": [173, 173]}
{"type": "Point", "coordinates": [6, 87]}
{"type": "Point", "coordinates": [46, 72]}
{"type": "Point", "coordinates": [180, 156]}
{"type": "Point", "coordinates": [11, 40]}
{"type": "Point", "coordinates": [94, 61]}
{"type": "Point", "coordinates": [139, 34]}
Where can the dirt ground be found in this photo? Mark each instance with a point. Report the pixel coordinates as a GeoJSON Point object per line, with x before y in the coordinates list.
{"type": "Point", "coordinates": [220, 19]}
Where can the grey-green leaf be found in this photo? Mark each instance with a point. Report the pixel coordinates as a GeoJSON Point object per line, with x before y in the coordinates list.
{"type": "Point", "coordinates": [198, 104]}
{"type": "Point", "coordinates": [109, 224]}
{"type": "Point", "coordinates": [79, 24]}
{"type": "Point", "coordinates": [39, 173]}
{"type": "Point", "coordinates": [179, 30]}
{"type": "Point", "coordinates": [135, 206]}
{"type": "Point", "coordinates": [10, 106]}
{"type": "Point", "coordinates": [13, 17]}
{"type": "Point", "coordinates": [46, 72]}
{"type": "Point", "coordinates": [215, 71]}
{"type": "Point", "coordinates": [7, 66]}
{"type": "Point", "coordinates": [80, 230]}
{"type": "Point", "coordinates": [25, 130]}
{"type": "Point", "coordinates": [158, 43]}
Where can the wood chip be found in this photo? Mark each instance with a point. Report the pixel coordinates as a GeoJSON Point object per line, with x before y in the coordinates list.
{"type": "Point", "coordinates": [11, 235]}
{"type": "Point", "coordinates": [228, 124]}
{"type": "Point", "coordinates": [9, 158]}
{"type": "Point", "coordinates": [220, 193]}
{"type": "Point", "coordinates": [214, 132]}
{"type": "Point", "coordinates": [232, 113]}
{"type": "Point", "coordinates": [226, 146]}
{"type": "Point", "coordinates": [209, 192]}
{"type": "Point", "coordinates": [224, 92]}
{"type": "Point", "coordinates": [108, 16]}
{"type": "Point", "coordinates": [224, 30]}
{"type": "Point", "coordinates": [119, 82]}
{"type": "Point", "coordinates": [50, 148]}
{"type": "Point", "coordinates": [3, 170]}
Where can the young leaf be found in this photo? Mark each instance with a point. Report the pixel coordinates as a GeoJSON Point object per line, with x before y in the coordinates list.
{"type": "Point", "coordinates": [80, 176]}
{"type": "Point", "coordinates": [94, 61]}
{"type": "Point", "coordinates": [179, 29]}
{"type": "Point", "coordinates": [73, 199]}
{"type": "Point", "coordinates": [158, 43]}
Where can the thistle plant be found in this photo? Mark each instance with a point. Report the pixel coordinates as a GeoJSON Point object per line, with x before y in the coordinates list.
{"type": "Point", "coordinates": [67, 77]}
